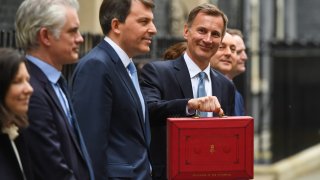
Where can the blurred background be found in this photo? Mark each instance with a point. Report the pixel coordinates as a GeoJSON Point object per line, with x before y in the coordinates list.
{"type": "Point", "coordinates": [281, 86]}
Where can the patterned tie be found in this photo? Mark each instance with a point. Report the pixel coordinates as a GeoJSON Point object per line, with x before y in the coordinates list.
{"type": "Point", "coordinates": [74, 124]}
{"type": "Point", "coordinates": [202, 90]}
{"type": "Point", "coordinates": [134, 77]}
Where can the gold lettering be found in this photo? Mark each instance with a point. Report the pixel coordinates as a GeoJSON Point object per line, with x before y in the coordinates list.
{"type": "Point", "coordinates": [211, 174]}
{"type": "Point", "coordinates": [212, 148]}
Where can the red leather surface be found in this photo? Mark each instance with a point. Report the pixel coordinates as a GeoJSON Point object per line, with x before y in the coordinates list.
{"type": "Point", "coordinates": [210, 148]}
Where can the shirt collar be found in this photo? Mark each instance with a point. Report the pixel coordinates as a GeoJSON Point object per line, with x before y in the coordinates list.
{"type": "Point", "coordinates": [123, 55]}
{"type": "Point", "coordinates": [52, 73]}
{"type": "Point", "coordinates": [193, 68]}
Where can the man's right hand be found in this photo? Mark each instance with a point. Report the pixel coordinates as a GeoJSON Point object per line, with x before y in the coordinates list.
{"type": "Point", "coordinates": [206, 104]}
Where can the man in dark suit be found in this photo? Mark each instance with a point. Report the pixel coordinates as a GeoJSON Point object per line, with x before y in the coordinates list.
{"type": "Point", "coordinates": [110, 106]}
{"type": "Point", "coordinates": [48, 31]}
{"type": "Point", "coordinates": [223, 61]}
{"type": "Point", "coordinates": [172, 88]}
{"type": "Point", "coordinates": [238, 68]}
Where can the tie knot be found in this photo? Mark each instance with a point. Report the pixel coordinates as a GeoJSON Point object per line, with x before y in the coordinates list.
{"type": "Point", "coordinates": [61, 79]}
{"type": "Point", "coordinates": [132, 68]}
{"type": "Point", "coordinates": [202, 75]}
{"type": "Point", "coordinates": [62, 82]}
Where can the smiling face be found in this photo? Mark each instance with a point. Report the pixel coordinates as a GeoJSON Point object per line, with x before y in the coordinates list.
{"type": "Point", "coordinates": [19, 92]}
{"type": "Point", "coordinates": [203, 38]}
{"type": "Point", "coordinates": [226, 56]}
{"type": "Point", "coordinates": [135, 34]}
{"type": "Point", "coordinates": [240, 65]}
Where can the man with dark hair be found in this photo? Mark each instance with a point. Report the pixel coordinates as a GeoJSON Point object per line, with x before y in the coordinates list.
{"type": "Point", "coordinates": [187, 86]}
{"type": "Point", "coordinates": [238, 68]}
{"type": "Point", "coordinates": [107, 96]}
{"type": "Point", "coordinates": [223, 61]}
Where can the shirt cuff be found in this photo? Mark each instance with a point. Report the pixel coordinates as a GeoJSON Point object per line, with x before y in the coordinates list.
{"type": "Point", "coordinates": [190, 112]}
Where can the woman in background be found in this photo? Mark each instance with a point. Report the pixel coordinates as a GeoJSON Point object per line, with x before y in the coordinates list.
{"type": "Point", "coordinates": [15, 92]}
{"type": "Point", "coordinates": [175, 51]}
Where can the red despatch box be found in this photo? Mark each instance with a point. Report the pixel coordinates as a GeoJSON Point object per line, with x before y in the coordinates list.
{"type": "Point", "coordinates": [210, 148]}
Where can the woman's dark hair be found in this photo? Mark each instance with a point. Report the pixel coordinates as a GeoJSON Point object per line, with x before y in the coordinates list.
{"type": "Point", "coordinates": [175, 50]}
{"type": "Point", "coordinates": [10, 61]}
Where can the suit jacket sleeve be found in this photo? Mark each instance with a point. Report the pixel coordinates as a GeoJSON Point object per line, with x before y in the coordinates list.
{"type": "Point", "coordinates": [239, 104]}
{"type": "Point", "coordinates": [92, 100]}
{"type": "Point", "coordinates": [162, 93]}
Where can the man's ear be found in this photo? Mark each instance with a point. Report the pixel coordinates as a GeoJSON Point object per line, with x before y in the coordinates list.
{"type": "Point", "coordinates": [185, 31]}
{"type": "Point", "coordinates": [115, 23]}
{"type": "Point", "coordinates": [45, 36]}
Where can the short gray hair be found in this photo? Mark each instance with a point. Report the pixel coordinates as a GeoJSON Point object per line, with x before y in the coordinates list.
{"type": "Point", "coordinates": [32, 15]}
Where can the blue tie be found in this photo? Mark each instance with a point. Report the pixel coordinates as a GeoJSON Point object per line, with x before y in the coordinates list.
{"type": "Point", "coordinates": [134, 77]}
{"type": "Point", "coordinates": [202, 90]}
{"type": "Point", "coordinates": [74, 124]}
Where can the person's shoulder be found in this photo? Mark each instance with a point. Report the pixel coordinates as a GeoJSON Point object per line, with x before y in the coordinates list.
{"type": "Point", "coordinates": [218, 75]}
{"type": "Point", "coordinates": [157, 68]}
{"type": "Point", "coordinates": [96, 52]}
{"type": "Point", "coordinates": [165, 63]}
{"type": "Point", "coordinates": [97, 55]}
{"type": "Point", "coordinates": [4, 138]}
{"type": "Point", "coordinates": [158, 63]}
{"type": "Point", "coordinates": [38, 80]}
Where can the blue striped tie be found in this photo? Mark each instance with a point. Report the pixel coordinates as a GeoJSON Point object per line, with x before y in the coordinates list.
{"type": "Point", "coordinates": [202, 90]}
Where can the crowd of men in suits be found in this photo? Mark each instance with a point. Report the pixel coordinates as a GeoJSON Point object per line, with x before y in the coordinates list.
{"type": "Point", "coordinates": [109, 124]}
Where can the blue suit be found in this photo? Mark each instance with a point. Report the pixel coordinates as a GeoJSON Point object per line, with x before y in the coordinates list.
{"type": "Point", "coordinates": [110, 116]}
{"type": "Point", "coordinates": [238, 105]}
{"type": "Point", "coordinates": [167, 88]}
{"type": "Point", "coordinates": [52, 143]}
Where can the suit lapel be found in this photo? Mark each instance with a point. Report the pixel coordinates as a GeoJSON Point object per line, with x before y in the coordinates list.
{"type": "Point", "coordinates": [183, 77]}
{"type": "Point", "coordinates": [215, 85]}
{"type": "Point", "coordinates": [126, 80]}
{"type": "Point", "coordinates": [124, 76]}
{"type": "Point", "coordinates": [70, 129]}
{"type": "Point", "coordinates": [38, 74]}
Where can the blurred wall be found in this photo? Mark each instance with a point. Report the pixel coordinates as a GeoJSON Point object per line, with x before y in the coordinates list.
{"type": "Point", "coordinates": [89, 16]}
{"type": "Point", "coordinates": [179, 13]}
{"type": "Point", "coordinates": [8, 10]}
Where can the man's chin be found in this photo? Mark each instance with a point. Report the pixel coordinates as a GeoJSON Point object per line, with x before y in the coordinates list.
{"type": "Point", "coordinates": [144, 50]}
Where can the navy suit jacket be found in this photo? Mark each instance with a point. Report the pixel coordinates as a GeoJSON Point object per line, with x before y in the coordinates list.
{"type": "Point", "coordinates": [52, 143]}
{"type": "Point", "coordinates": [167, 88]}
{"type": "Point", "coordinates": [110, 116]}
{"type": "Point", "coordinates": [9, 166]}
{"type": "Point", "coordinates": [239, 105]}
